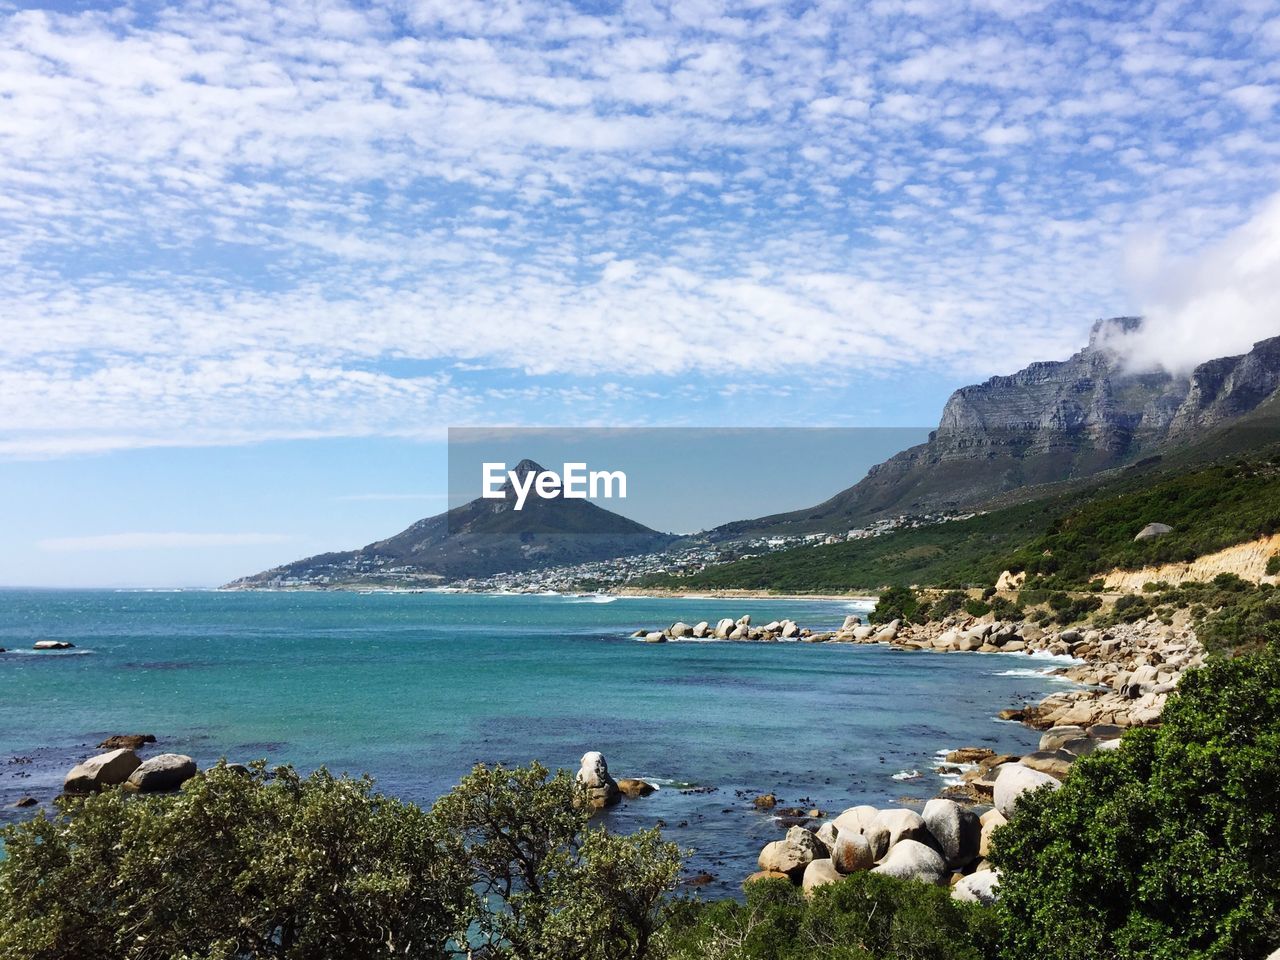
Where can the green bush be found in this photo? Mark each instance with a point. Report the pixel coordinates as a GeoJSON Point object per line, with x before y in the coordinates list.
{"type": "Point", "coordinates": [896, 603]}
{"type": "Point", "coordinates": [1273, 564]}
{"type": "Point", "coordinates": [234, 866]}
{"type": "Point", "coordinates": [274, 865]}
{"type": "Point", "coordinates": [1164, 849]}
{"type": "Point", "coordinates": [976, 608]}
{"type": "Point", "coordinates": [862, 917]}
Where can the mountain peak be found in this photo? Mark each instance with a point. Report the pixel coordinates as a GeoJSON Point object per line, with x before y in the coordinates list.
{"type": "Point", "coordinates": [1109, 328]}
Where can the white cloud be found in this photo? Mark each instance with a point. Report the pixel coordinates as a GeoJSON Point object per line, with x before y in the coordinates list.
{"type": "Point", "coordinates": [222, 223]}
{"type": "Point", "coordinates": [157, 541]}
{"type": "Point", "coordinates": [1216, 302]}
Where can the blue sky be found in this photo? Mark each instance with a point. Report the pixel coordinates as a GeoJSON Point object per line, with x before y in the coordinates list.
{"type": "Point", "coordinates": [260, 256]}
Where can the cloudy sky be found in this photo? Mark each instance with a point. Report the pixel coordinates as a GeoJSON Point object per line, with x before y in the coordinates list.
{"type": "Point", "coordinates": [257, 257]}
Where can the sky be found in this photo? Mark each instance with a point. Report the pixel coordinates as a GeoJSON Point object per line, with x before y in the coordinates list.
{"type": "Point", "coordinates": [258, 258]}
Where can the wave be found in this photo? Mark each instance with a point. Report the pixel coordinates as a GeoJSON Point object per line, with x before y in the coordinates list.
{"type": "Point", "coordinates": [907, 775]}
{"type": "Point", "coordinates": [591, 598]}
{"type": "Point", "coordinates": [1046, 674]}
{"type": "Point", "coordinates": [45, 653]}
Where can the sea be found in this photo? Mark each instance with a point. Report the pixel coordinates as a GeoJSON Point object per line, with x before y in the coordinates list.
{"type": "Point", "coordinates": [416, 688]}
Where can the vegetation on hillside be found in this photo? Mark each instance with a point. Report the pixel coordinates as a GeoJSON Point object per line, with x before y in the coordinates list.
{"type": "Point", "coordinates": [1165, 848]}
{"type": "Point", "coordinates": [1062, 542]}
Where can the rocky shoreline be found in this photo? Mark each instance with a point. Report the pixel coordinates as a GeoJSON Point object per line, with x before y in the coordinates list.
{"type": "Point", "coordinates": [1125, 673]}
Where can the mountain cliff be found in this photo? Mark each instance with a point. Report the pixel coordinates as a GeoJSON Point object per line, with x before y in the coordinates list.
{"type": "Point", "coordinates": [1048, 423]}
{"type": "Point", "coordinates": [478, 539]}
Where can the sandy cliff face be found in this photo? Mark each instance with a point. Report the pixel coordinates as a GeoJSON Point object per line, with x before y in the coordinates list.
{"type": "Point", "coordinates": [1246, 560]}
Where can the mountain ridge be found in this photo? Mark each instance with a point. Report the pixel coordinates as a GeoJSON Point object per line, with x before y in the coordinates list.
{"type": "Point", "coordinates": [1052, 422]}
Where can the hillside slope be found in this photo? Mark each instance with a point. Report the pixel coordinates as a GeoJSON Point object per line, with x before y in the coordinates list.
{"type": "Point", "coordinates": [1063, 540]}
{"type": "Point", "coordinates": [477, 539]}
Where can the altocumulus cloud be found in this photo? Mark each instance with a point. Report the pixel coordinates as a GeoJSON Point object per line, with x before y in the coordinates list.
{"type": "Point", "coordinates": [223, 223]}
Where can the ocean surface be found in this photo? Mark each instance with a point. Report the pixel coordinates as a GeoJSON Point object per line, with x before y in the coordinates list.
{"type": "Point", "coordinates": [416, 688]}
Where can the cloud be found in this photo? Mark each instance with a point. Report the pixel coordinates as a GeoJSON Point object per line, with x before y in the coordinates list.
{"type": "Point", "coordinates": [226, 223]}
{"type": "Point", "coordinates": [1215, 302]}
{"type": "Point", "coordinates": [157, 541]}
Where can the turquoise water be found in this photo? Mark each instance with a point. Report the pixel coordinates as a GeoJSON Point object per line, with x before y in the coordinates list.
{"type": "Point", "coordinates": [414, 689]}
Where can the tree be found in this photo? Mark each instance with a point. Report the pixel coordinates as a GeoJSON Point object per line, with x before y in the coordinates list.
{"type": "Point", "coordinates": [550, 886]}
{"type": "Point", "coordinates": [1163, 849]}
{"type": "Point", "coordinates": [237, 865]}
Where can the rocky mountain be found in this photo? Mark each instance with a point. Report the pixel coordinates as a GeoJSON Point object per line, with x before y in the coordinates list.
{"type": "Point", "coordinates": [1052, 422]}
{"type": "Point", "coordinates": [478, 539]}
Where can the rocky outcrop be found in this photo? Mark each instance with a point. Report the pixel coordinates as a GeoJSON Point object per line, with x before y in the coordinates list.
{"type": "Point", "coordinates": [52, 645]}
{"type": "Point", "coordinates": [740, 629]}
{"type": "Point", "coordinates": [601, 789]}
{"type": "Point", "coordinates": [127, 741]}
{"type": "Point", "coordinates": [105, 770]}
{"type": "Point", "coordinates": [792, 854]}
{"type": "Point", "coordinates": [1248, 561]}
{"type": "Point", "coordinates": [1050, 422]}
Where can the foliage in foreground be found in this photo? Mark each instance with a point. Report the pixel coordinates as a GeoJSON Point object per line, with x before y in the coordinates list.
{"type": "Point", "coordinates": [1165, 849]}
{"type": "Point", "coordinates": [240, 867]}
{"type": "Point", "coordinates": [863, 917]}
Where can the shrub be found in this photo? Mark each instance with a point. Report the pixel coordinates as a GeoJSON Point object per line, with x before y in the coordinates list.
{"type": "Point", "coordinates": [1273, 564]}
{"type": "Point", "coordinates": [896, 603]}
{"type": "Point", "coordinates": [976, 608]}
{"type": "Point", "coordinates": [242, 867]}
{"type": "Point", "coordinates": [862, 917]}
{"type": "Point", "coordinates": [548, 885]}
{"type": "Point", "coordinates": [1164, 849]}
{"type": "Point", "coordinates": [234, 866]}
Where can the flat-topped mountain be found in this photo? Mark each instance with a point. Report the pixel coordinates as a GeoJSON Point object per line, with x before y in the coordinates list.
{"type": "Point", "coordinates": [478, 539]}
{"type": "Point", "coordinates": [1048, 423]}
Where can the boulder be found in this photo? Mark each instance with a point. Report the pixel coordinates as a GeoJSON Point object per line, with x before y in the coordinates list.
{"type": "Point", "coordinates": [26, 802]}
{"type": "Point", "coordinates": [863, 633]}
{"type": "Point", "coordinates": [723, 629]}
{"type": "Point", "coordinates": [161, 774]}
{"type": "Point", "coordinates": [957, 831]}
{"type": "Point", "coordinates": [105, 770]}
{"type": "Point", "coordinates": [1056, 763]}
{"type": "Point", "coordinates": [1153, 530]}
{"type": "Point", "coordinates": [851, 621]}
{"type": "Point", "coordinates": [1053, 738]}
{"type": "Point", "coordinates": [127, 741]}
{"type": "Point", "coordinates": [991, 821]}
{"type": "Point", "coordinates": [52, 645]}
{"type": "Point", "coordinates": [912, 860]}
{"type": "Point", "coordinates": [818, 874]}
{"type": "Point", "coordinates": [855, 819]}
{"type": "Point", "coordinates": [655, 636]}
{"type": "Point", "coordinates": [1013, 780]}
{"type": "Point", "coordinates": [700, 629]}
{"type": "Point", "coordinates": [744, 620]}
{"type": "Point", "coordinates": [602, 790]}
{"type": "Point", "coordinates": [680, 629]}
{"type": "Point", "coordinates": [791, 854]}
{"type": "Point", "coordinates": [634, 788]}
{"type": "Point", "coordinates": [1105, 731]}
{"type": "Point", "coordinates": [979, 887]}
{"type": "Point", "coordinates": [852, 853]}
{"type": "Point", "coordinates": [766, 801]}
{"type": "Point", "coordinates": [970, 755]}
{"type": "Point", "coordinates": [827, 835]}
{"type": "Point", "coordinates": [789, 629]}
{"type": "Point", "coordinates": [766, 875]}
{"type": "Point", "coordinates": [903, 825]}
{"type": "Point", "coordinates": [739, 633]}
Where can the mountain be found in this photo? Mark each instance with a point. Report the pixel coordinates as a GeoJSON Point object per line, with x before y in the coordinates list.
{"type": "Point", "coordinates": [478, 539]}
{"type": "Point", "coordinates": [1055, 422]}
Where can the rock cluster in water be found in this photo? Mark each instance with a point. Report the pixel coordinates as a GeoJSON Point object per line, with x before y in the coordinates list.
{"type": "Point", "coordinates": [121, 766]}
{"type": "Point", "coordinates": [1130, 668]}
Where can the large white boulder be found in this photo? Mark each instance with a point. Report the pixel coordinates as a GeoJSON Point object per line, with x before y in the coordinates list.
{"type": "Point", "coordinates": [818, 873]}
{"type": "Point", "coordinates": [852, 853]}
{"type": "Point", "coordinates": [602, 790]}
{"type": "Point", "coordinates": [162, 773]}
{"type": "Point", "coordinates": [1014, 780]}
{"type": "Point", "coordinates": [793, 853]}
{"type": "Point", "coordinates": [912, 860]}
{"type": "Point", "coordinates": [903, 825]}
{"type": "Point", "coordinates": [956, 830]}
{"type": "Point", "coordinates": [105, 770]}
{"type": "Point", "coordinates": [981, 886]}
